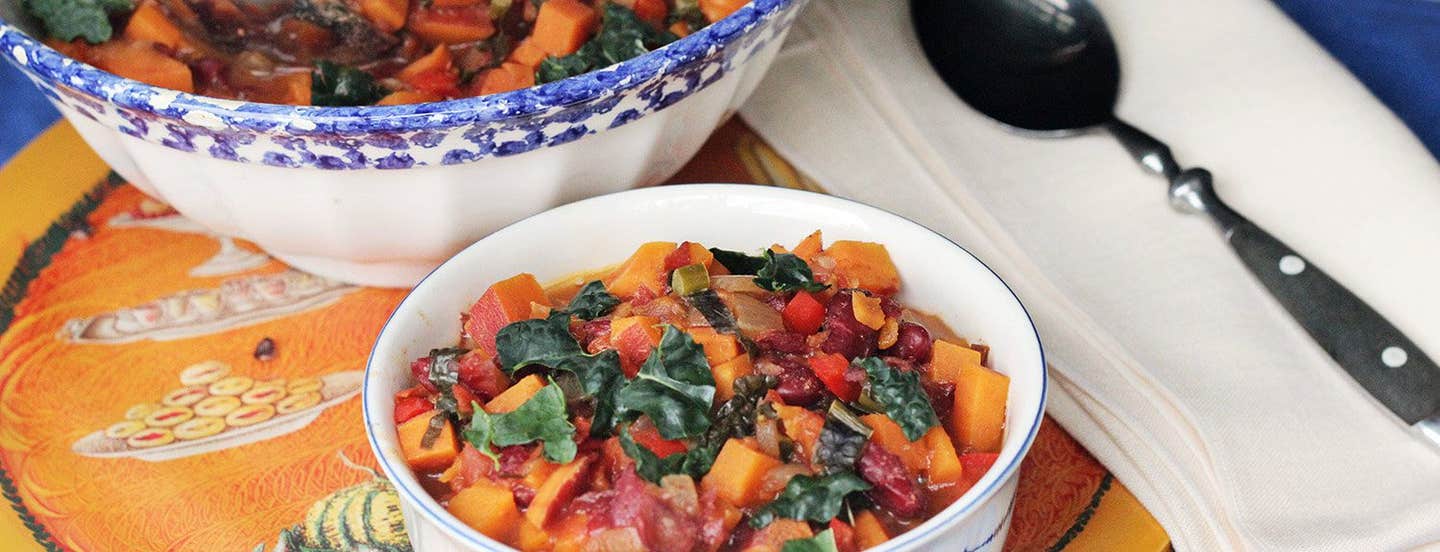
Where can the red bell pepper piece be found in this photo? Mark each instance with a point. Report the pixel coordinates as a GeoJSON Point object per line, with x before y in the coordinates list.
{"type": "Point", "coordinates": [831, 368]}
{"type": "Point", "coordinates": [973, 466]}
{"type": "Point", "coordinates": [804, 314]}
{"type": "Point", "coordinates": [844, 535]}
{"type": "Point", "coordinates": [650, 438]}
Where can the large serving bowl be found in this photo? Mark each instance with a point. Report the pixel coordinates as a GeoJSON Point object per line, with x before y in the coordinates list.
{"type": "Point", "coordinates": [937, 276]}
{"type": "Point", "coordinates": [380, 195]}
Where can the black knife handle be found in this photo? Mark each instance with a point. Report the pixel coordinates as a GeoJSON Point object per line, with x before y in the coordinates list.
{"type": "Point", "coordinates": [1385, 362]}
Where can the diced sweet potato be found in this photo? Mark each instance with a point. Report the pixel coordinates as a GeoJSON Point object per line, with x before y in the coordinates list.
{"type": "Point", "coordinates": [516, 395]}
{"type": "Point", "coordinates": [773, 537]}
{"type": "Point", "coordinates": [571, 533]}
{"type": "Point", "coordinates": [947, 358]}
{"type": "Point", "coordinates": [507, 77]}
{"type": "Point", "coordinates": [889, 436]}
{"type": "Point", "coordinates": [869, 533]}
{"type": "Point", "coordinates": [506, 301]}
{"type": "Point", "coordinates": [737, 473]}
{"type": "Point", "coordinates": [809, 247]}
{"type": "Point", "coordinates": [633, 337]}
{"type": "Point", "coordinates": [688, 253]}
{"type": "Point", "coordinates": [944, 462]}
{"type": "Point", "coordinates": [719, 347]}
{"type": "Point", "coordinates": [142, 62]}
{"type": "Point", "coordinates": [646, 267]}
{"type": "Point", "coordinates": [527, 53]}
{"type": "Point", "coordinates": [439, 59]}
{"type": "Point", "coordinates": [562, 26]}
{"type": "Point", "coordinates": [865, 265]}
{"type": "Point", "coordinates": [149, 23]}
{"type": "Point", "coordinates": [440, 25]}
{"type": "Point", "coordinates": [402, 97]}
{"type": "Point", "coordinates": [439, 454]}
{"type": "Point", "coordinates": [715, 10]}
{"type": "Point", "coordinates": [726, 374]}
{"type": "Point", "coordinates": [387, 15]}
{"type": "Point", "coordinates": [802, 425]}
{"type": "Point", "coordinates": [532, 538]}
{"type": "Point", "coordinates": [487, 508]}
{"type": "Point", "coordinates": [978, 419]}
{"type": "Point", "coordinates": [557, 491]}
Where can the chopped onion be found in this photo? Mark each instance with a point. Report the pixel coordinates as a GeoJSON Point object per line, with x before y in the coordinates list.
{"type": "Point", "coordinates": [737, 283]}
{"type": "Point", "coordinates": [753, 316]}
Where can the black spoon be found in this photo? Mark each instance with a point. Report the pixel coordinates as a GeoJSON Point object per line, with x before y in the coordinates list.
{"type": "Point", "coordinates": [1049, 67]}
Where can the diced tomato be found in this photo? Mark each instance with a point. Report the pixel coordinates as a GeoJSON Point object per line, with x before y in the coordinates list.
{"type": "Point", "coordinates": [650, 438]}
{"type": "Point", "coordinates": [420, 369]}
{"type": "Point", "coordinates": [410, 407]}
{"type": "Point", "coordinates": [973, 466]}
{"type": "Point", "coordinates": [464, 400]}
{"type": "Point", "coordinates": [803, 314]}
{"type": "Point", "coordinates": [831, 368]}
{"type": "Point", "coordinates": [469, 467]}
{"type": "Point", "coordinates": [478, 372]}
{"type": "Point", "coordinates": [844, 536]}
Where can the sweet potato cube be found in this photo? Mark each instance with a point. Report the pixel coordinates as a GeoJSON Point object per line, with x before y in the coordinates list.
{"type": "Point", "coordinates": [869, 533]}
{"type": "Point", "coordinates": [774, 536]}
{"type": "Point", "coordinates": [506, 301]}
{"type": "Point", "coordinates": [149, 23]}
{"type": "Point", "coordinates": [946, 359]}
{"type": "Point", "coordinates": [719, 347]}
{"type": "Point", "coordinates": [532, 538]}
{"type": "Point", "coordinates": [726, 374]}
{"type": "Point", "coordinates": [562, 26]}
{"type": "Point", "coordinates": [557, 491]}
{"type": "Point", "coordinates": [644, 268]}
{"type": "Point", "coordinates": [944, 462]}
{"type": "Point", "coordinates": [387, 15]}
{"type": "Point", "coordinates": [737, 474]}
{"type": "Point", "coordinates": [439, 454]}
{"type": "Point", "coordinates": [889, 436]}
{"type": "Point", "coordinates": [809, 247]}
{"type": "Point", "coordinates": [516, 395]}
{"type": "Point", "coordinates": [978, 419]}
{"type": "Point", "coordinates": [865, 265]}
{"type": "Point", "coordinates": [489, 509]}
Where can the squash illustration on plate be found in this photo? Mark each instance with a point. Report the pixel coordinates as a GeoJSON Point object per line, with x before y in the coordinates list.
{"type": "Point", "coordinates": [360, 518]}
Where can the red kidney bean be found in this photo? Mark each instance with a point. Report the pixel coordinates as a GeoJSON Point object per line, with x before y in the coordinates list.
{"type": "Point", "coordinates": [912, 343]}
{"type": "Point", "coordinates": [942, 396]}
{"type": "Point", "coordinates": [893, 488]}
{"type": "Point", "coordinates": [891, 307]}
{"type": "Point", "coordinates": [798, 385]}
{"type": "Point", "coordinates": [846, 335]}
{"type": "Point", "coordinates": [783, 342]}
{"type": "Point", "coordinates": [513, 458]}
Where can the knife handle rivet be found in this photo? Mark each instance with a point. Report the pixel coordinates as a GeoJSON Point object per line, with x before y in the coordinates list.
{"type": "Point", "coordinates": [1394, 357]}
{"type": "Point", "coordinates": [1291, 265]}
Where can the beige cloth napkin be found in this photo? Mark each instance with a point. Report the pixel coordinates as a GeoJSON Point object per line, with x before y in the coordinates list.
{"type": "Point", "coordinates": [1170, 362]}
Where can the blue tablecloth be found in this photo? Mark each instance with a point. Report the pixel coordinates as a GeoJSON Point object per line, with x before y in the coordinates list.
{"type": "Point", "coordinates": [1393, 46]}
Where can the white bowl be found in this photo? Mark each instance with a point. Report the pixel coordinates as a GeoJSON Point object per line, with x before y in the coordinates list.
{"type": "Point", "coordinates": [937, 276]}
{"type": "Point", "coordinates": [380, 195]}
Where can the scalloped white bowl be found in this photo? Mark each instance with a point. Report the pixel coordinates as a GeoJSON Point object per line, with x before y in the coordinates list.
{"type": "Point", "coordinates": [380, 195]}
{"type": "Point", "coordinates": [937, 276]}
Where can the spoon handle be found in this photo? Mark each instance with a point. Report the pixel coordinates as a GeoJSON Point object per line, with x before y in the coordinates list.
{"type": "Point", "coordinates": [1385, 362]}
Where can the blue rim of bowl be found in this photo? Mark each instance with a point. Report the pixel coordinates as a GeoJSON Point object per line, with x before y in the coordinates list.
{"type": "Point", "coordinates": [925, 531]}
{"type": "Point", "coordinates": [52, 66]}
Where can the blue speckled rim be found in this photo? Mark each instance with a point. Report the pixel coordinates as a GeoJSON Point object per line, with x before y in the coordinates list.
{"type": "Point", "coordinates": [52, 66]}
{"type": "Point", "coordinates": [919, 535]}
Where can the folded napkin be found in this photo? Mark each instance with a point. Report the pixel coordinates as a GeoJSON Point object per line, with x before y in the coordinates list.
{"type": "Point", "coordinates": [1170, 362]}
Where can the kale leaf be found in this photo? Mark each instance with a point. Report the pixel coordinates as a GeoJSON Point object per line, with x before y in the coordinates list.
{"type": "Point", "coordinates": [842, 439]}
{"type": "Point", "coordinates": [341, 85]}
{"type": "Point", "coordinates": [773, 271]}
{"type": "Point", "coordinates": [600, 377]}
{"type": "Point", "coordinates": [813, 498]}
{"type": "Point", "coordinates": [736, 418]}
{"type": "Point", "coordinates": [623, 35]}
{"type": "Point", "coordinates": [67, 19]}
{"type": "Point", "coordinates": [674, 387]}
{"type": "Point", "coordinates": [902, 396]}
{"type": "Point", "coordinates": [695, 462]}
{"type": "Point", "coordinates": [592, 302]}
{"type": "Point", "coordinates": [715, 311]}
{"type": "Point", "coordinates": [541, 418]}
{"type": "Point", "coordinates": [737, 262]}
{"type": "Point", "coordinates": [786, 272]}
{"type": "Point", "coordinates": [546, 342]}
{"type": "Point", "coordinates": [822, 542]}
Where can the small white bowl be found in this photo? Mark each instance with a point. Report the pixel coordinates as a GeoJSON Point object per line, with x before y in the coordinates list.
{"type": "Point", "coordinates": [937, 276]}
{"type": "Point", "coordinates": [380, 195]}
